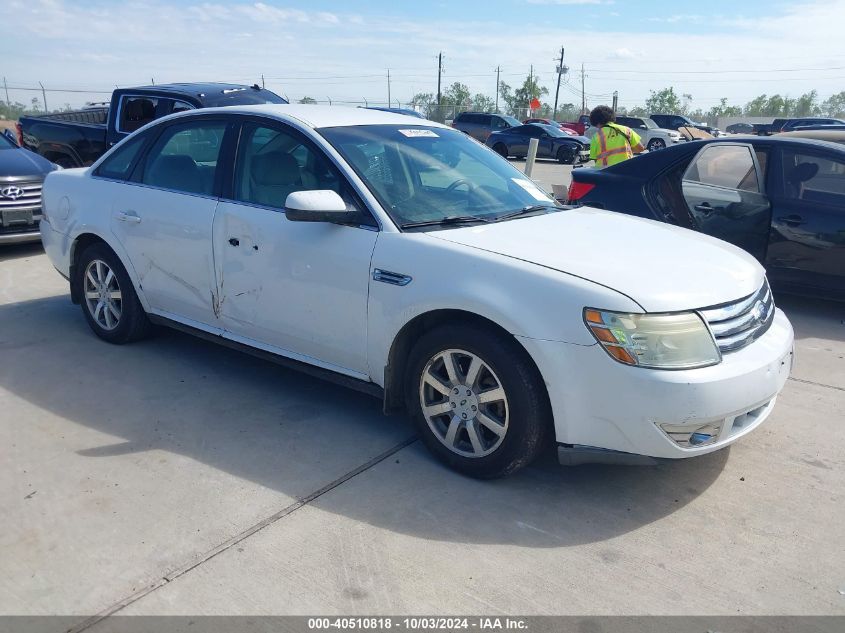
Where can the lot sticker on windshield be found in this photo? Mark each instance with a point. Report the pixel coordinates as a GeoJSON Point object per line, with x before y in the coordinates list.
{"type": "Point", "coordinates": [415, 133]}
{"type": "Point", "coordinates": [531, 188]}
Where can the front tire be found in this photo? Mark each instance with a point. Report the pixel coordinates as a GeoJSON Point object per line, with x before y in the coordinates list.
{"type": "Point", "coordinates": [477, 400]}
{"type": "Point", "coordinates": [566, 156]}
{"type": "Point", "coordinates": [655, 144]}
{"type": "Point", "coordinates": [108, 298]}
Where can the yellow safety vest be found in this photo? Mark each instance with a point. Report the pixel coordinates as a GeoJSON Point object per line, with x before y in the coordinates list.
{"type": "Point", "coordinates": [612, 143]}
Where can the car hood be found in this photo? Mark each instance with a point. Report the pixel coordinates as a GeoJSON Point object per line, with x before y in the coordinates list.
{"type": "Point", "coordinates": [662, 267]}
{"type": "Point", "coordinates": [17, 163]}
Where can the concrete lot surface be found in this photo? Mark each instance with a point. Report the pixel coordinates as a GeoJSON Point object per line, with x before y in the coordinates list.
{"type": "Point", "coordinates": [173, 476]}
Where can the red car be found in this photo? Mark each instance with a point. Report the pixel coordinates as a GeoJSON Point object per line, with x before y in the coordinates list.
{"type": "Point", "coordinates": [551, 122]}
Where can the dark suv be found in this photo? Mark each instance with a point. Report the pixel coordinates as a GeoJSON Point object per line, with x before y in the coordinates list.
{"type": "Point", "coordinates": [480, 125]}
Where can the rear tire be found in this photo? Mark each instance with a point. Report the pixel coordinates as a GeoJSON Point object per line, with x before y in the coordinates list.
{"type": "Point", "coordinates": [501, 149]}
{"type": "Point", "coordinates": [488, 415]}
{"type": "Point", "coordinates": [108, 298]}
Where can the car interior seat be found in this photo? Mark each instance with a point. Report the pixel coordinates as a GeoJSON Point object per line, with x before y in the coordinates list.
{"type": "Point", "coordinates": [273, 176]}
{"type": "Point", "coordinates": [178, 172]}
{"type": "Point", "coordinates": [800, 174]}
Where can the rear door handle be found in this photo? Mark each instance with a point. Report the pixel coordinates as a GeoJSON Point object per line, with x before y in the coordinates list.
{"type": "Point", "coordinates": [704, 207]}
{"type": "Point", "coordinates": [234, 241]}
{"type": "Point", "coordinates": [792, 220]}
{"type": "Point", "coordinates": [128, 216]}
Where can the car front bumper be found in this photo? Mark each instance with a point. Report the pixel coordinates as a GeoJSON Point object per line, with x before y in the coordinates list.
{"type": "Point", "coordinates": [600, 403]}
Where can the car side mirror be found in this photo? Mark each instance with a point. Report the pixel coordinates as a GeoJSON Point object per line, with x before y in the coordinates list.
{"type": "Point", "coordinates": [319, 205]}
{"type": "Point", "coordinates": [11, 136]}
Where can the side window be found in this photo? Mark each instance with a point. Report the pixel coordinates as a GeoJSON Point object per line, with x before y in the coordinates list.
{"type": "Point", "coordinates": [136, 112]}
{"type": "Point", "coordinates": [273, 163]}
{"type": "Point", "coordinates": [729, 166]}
{"type": "Point", "coordinates": [180, 106]}
{"type": "Point", "coordinates": [814, 178]}
{"type": "Point", "coordinates": [184, 158]}
{"type": "Point", "coordinates": [118, 165]}
{"type": "Point", "coordinates": [499, 123]}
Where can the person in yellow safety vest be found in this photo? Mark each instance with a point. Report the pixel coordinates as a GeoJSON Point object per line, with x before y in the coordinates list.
{"type": "Point", "coordinates": [612, 143]}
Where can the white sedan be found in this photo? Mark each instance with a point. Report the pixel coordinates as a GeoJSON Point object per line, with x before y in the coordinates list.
{"type": "Point", "coordinates": [404, 259]}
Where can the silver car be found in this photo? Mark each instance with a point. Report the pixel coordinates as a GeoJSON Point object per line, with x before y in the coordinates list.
{"type": "Point", "coordinates": [653, 137]}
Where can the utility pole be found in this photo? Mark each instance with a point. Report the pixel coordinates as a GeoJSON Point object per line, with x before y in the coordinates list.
{"type": "Point", "coordinates": [388, 87]}
{"type": "Point", "coordinates": [561, 69]}
{"type": "Point", "coordinates": [153, 81]}
{"type": "Point", "coordinates": [44, 94]}
{"type": "Point", "coordinates": [8, 103]}
{"type": "Point", "coordinates": [530, 87]}
{"type": "Point", "coordinates": [498, 70]}
{"type": "Point", "coordinates": [262, 81]}
{"type": "Point", "coordinates": [583, 95]}
{"type": "Point", "coordinates": [439, 72]}
{"type": "Point", "coordinates": [615, 99]}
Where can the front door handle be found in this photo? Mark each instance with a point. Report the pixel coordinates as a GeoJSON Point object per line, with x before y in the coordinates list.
{"type": "Point", "coordinates": [704, 207]}
{"type": "Point", "coordinates": [792, 220]}
{"type": "Point", "coordinates": [128, 216]}
{"type": "Point", "coordinates": [234, 241]}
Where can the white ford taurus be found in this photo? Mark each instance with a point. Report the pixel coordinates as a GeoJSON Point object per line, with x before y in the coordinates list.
{"type": "Point", "coordinates": [407, 260]}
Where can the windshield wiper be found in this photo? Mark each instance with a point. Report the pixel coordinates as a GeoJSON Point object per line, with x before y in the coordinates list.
{"type": "Point", "coordinates": [456, 219]}
{"type": "Point", "coordinates": [534, 208]}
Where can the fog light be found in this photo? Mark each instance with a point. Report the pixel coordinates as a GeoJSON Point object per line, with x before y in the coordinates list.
{"type": "Point", "coordinates": [690, 436]}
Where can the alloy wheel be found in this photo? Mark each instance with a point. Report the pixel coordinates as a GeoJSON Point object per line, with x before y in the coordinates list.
{"type": "Point", "coordinates": [464, 403]}
{"type": "Point", "coordinates": [102, 294]}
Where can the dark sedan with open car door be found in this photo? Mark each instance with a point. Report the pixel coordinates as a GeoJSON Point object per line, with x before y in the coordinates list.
{"type": "Point", "coordinates": [781, 199]}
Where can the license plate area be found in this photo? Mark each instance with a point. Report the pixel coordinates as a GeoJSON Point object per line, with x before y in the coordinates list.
{"type": "Point", "coordinates": [16, 217]}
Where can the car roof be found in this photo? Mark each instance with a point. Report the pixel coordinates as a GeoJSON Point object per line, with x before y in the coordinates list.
{"type": "Point", "coordinates": [205, 91]}
{"type": "Point", "coordinates": [820, 134]}
{"type": "Point", "coordinates": [320, 116]}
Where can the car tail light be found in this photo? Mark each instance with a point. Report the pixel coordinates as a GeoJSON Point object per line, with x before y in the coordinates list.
{"type": "Point", "coordinates": [20, 133]}
{"type": "Point", "coordinates": [578, 190]}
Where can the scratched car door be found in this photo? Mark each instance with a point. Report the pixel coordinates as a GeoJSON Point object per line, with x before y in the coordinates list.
{"type": "Point", "coordinates": [295, 288]}
{"type": "Point", "coordinates": [164, 217]}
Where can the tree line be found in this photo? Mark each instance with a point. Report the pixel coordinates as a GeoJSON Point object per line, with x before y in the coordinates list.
{"type": "Point", "coordinates": [514, 101]}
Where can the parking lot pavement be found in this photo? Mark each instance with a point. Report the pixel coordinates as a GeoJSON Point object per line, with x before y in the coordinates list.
{"type": "Point", "coordinates": [176, 476]}
{"type": "Point", "coordinates": [549, 172]}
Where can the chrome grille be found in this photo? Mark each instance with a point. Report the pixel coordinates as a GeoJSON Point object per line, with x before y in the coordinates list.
{"type": "Point", "coordinates": [737, 324]}
{"type": "Point", "coordinates": [30, 200]}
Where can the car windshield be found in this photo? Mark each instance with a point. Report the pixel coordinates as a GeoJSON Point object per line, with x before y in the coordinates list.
{"type": "Point", "coordinates": [430, 175]}
{"type": "Point", "coordinates": [6, 143]}
{"type": "Point", "coordinates": [514, 122]}
{"type": "Point", "coordinates": [651, 125]}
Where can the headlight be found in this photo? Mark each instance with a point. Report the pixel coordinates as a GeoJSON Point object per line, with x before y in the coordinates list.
{"type": "Point", "coordinates": [660, 341]}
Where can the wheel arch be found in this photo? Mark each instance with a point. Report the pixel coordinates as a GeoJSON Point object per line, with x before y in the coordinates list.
{"type": "Point", "coordinates": [83, 240]}
{"type": "Point", "coordinates": [403, 342]}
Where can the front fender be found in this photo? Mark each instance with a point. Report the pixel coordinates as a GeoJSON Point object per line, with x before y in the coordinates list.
{"type": "Point", "coordinates": [524, 299]}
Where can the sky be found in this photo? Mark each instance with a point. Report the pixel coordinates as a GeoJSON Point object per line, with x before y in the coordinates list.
{"type": "Point", "coordinates": [342, 50]}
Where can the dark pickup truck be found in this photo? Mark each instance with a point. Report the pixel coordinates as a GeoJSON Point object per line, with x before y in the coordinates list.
{"type": "Point", "coordinates": [78, 138]}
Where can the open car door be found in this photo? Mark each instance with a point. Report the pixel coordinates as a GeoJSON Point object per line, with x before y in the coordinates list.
{"type": "Point", "coordinates": [722, 190]}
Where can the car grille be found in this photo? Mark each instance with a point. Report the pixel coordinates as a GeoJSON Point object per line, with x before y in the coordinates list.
{"type": "Point", "coordinates": [23, 212]}
{"type": "Point", "coordinates": [30, 199]}
{"type": "Point", "coordinates": [737, 324]}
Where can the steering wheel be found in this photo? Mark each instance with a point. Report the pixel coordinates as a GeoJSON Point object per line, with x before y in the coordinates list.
{"type": "Point", "coordinates": [461, 181]}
